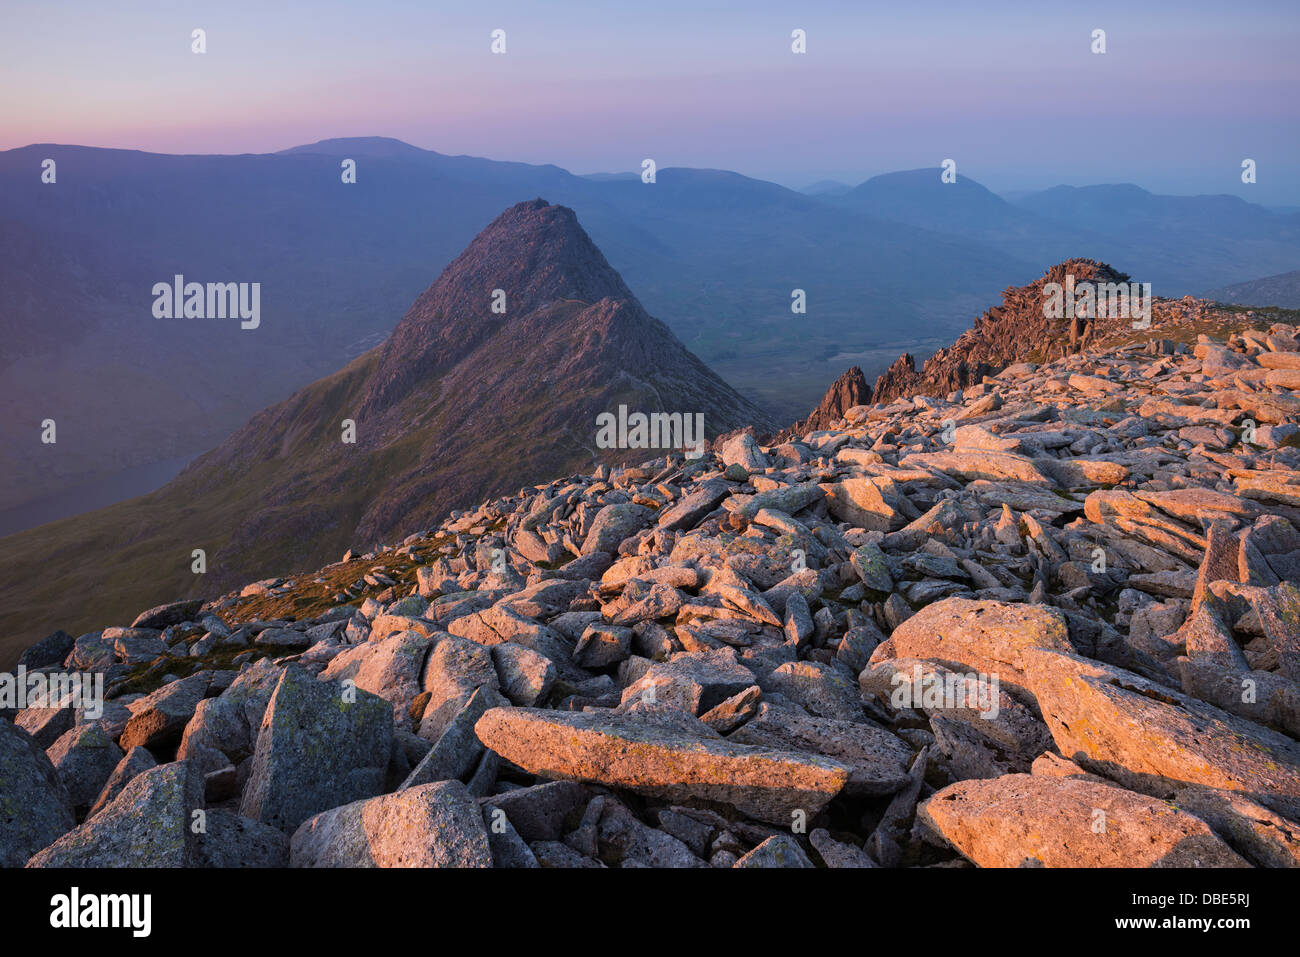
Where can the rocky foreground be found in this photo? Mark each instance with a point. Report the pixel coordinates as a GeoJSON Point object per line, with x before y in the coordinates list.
{"type": "Point", "coordinates": [1049, 620]}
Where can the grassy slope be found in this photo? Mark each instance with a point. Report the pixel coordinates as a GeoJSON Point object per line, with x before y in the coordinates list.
{"type": "Point", "coordinates": [135, 554]}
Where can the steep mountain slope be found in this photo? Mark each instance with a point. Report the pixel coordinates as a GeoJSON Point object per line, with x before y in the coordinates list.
{"type": "Point", "coordinates": [460, 403]}
{"type": "Point", "coordinates": [1282, 290]}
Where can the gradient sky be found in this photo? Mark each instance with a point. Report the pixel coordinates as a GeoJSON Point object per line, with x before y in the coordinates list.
{"type": "Point", "coordinates": [1008, 89]}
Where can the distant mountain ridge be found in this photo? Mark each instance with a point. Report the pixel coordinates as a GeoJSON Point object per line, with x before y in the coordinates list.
{"type": "Point", "coordinates": [1282, 290]}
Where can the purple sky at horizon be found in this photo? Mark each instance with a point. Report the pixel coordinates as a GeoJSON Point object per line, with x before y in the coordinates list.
{"type": "Point", "coordinates": [1008, 89]}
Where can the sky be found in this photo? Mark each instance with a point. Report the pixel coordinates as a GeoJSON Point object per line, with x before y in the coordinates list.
{"type": "Point", "coordinates": [1010, 90]}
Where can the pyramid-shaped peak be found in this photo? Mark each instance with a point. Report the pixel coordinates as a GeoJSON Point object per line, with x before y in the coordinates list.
{"type": "Point", "coordinates": [544, 252]}
{"type": "Point", "coordinates": [532, 255]}
{"type": "Point", "coordinates": [535, 253]}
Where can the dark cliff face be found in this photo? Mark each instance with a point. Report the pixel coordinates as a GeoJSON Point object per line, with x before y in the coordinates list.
{"type": "Point", "coordinates": [1008, 333]}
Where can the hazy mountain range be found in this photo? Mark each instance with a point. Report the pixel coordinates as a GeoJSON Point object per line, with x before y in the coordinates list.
{"type": "Point", "coordinates": [899, 263]}
{"type": "Point", "coordinates": [1281, 290]}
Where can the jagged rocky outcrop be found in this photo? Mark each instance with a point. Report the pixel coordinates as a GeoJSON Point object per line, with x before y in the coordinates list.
{"type": "Point", "coordinates": [1011, 332]}
{"type": "Point", "coordinates": [848, 390]}
{"type": "Point", "coordinates": [1006, 626]}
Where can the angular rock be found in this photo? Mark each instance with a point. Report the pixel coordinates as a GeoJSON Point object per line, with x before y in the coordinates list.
{"type": "Point", "coordinates": [232, 840]}
{"type": "Point", "coordinates": [1155, 740]}
{"type": "Point", "coordinates": [171, 614]}
{"type": "Point", "coordinates": [159, 719]}
{"type": "Point", "coordinates": [320, 745]}
{"type": "Point", "coordinates": [136, 762]}
{"type": "Point", "coordinates": [646, 758]}
{"type": "Point", "coordinates": [693, 682]}
{"type": "Point", "coordinates": [1023, 820]}
{"type": "Point", "coordinates": [457, 667]}
{"type": "Point", "coordinates": [35, 807]}
{"type": "Point", "coordinates": [989, 636]}
{"type": "Point", "coordinates": [613, 524]}
{"type": "Point", "coordinates": [821, 689]}
{"type": "Point", "coordinates": [433, 825]}
{"type": "Point", "coordinates": [84, 758]}
{"type": "Point", "coordinates": [877, 758]}
{"type": "Point", "coordinates": [148, 825]}
{"type": "Point", "coordinates": [526, 677]}
{"type": "Point", "coordinates": [778, 851]}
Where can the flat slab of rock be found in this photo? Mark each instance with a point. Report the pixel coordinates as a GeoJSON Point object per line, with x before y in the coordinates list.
{"type": "Point", "coordinates": [764, 783]}
{"type": "Point", "coordinates": [321, 745]}
{"type": "Point", "coordinates": [860, 502]}
{"type": "Point", "coordinates": [989, 636]}
{"type": "Point", "coordinates": [973, 465]}
{"type": "Point", "coordinates": [1023, 820]}
{"type": "Point", "coordinates": [432, 825]}
{"type": "Point", "coordinates": [172, 614]}
{"type": "Point", "coordinates": [877, 757]}
{"type": "Point", "coordinates": [159, 719]}
{"type": "Point", "coordinates": [1153, 739]}
{"type": "Point", "coordinates": [702, 500]}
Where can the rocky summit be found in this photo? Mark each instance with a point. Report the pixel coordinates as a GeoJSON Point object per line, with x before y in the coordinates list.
{"type": "Point", "coordinates": [1047, 614]}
